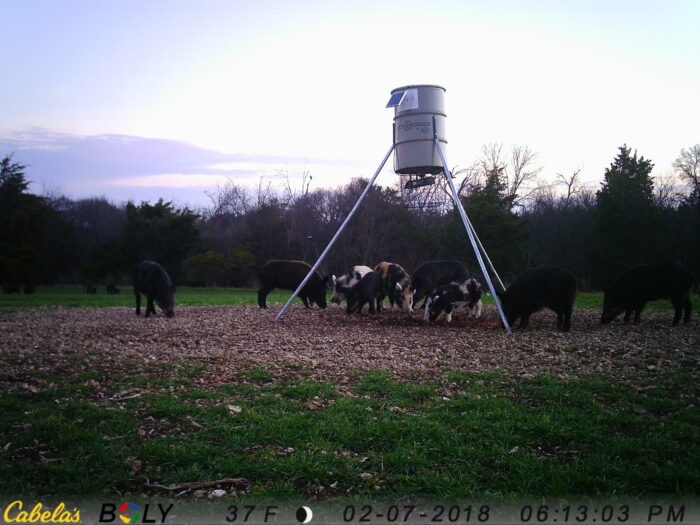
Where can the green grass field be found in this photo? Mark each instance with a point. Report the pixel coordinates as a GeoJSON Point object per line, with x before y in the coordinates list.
{"type": "Point", "coordinates": [74, 296]}
{"type": "Point", "coordinates": [498, 438]}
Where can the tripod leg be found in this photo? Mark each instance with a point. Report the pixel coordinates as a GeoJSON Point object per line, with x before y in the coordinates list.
{"type": "Point", "coordinates": [470, 233]}
{"type": "Point", "coordinates": [335, 237]}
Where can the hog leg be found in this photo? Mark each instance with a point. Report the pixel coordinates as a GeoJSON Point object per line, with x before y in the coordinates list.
{"type": "Point", "coordinates": [637, 315]}
{"type": "Point", "coordinates": [477, 310]}
{"type": "Point", "coordinates": [372, 303]}
{"type": "Point", "coordinates": [688, 307]}
{"type": "Point", "coordinates": [560, 320]}
{"type": "Point", "coordinates": [262, 295]}
{"type": "Point", "coordinates": [305, 300]}
{"type": "Point", "coordinates": [567, 319]}
{"type": "Point", "coordinates": [150, 309]}
{"type": "Point", "coordinates": [138, 303]}
{"type": "Point", "coordinates": [678, 305]}
{"type": "Point", "coordinates": [628, 314]}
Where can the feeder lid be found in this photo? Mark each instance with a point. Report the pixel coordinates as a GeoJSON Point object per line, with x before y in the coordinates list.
{"type": "Point", "coordinates": [398, 94]}
{"type": "Point", "coordinates": [413, 86]}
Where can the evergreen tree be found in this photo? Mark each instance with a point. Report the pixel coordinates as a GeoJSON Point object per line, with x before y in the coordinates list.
{"type": "Point", "coordinates": [24, 258]}
{"type": "Point", "coordinates": [627, 221]}
{"type": "Point", "coordinates": [500, 230]}
{"type": "Point", "coordinates": [161, 233]}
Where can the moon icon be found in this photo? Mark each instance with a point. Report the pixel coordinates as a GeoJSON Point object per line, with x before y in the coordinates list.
{"type": "Point", "coordinates": [304, 514]}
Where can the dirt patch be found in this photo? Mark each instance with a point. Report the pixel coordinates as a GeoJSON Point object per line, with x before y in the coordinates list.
{"type": "Point", "coordinates": [219, 345]}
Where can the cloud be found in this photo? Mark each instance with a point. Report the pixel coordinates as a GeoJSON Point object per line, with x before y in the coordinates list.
{"type": "Point", "coordinates": [173, 180]}
{"type": "Point", "coordinates": [123, 166]}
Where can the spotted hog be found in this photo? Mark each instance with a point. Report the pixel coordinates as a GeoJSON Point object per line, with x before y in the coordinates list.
{"type": "Point", "coordinates": [432, 274]}
{"type": "Point", "coordinates": [342, 284]}
{"type": "Point", "coordinates": [457, 294]}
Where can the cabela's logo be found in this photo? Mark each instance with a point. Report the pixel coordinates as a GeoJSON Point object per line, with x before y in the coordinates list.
{"type": "Point", "coordinates": [15, 513]}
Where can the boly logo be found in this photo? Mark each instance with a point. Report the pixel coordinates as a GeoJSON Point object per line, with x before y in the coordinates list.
{"type": "Point", "coordinates": [132, 513]}
{"type": "Point", "coordinates": [134, 518]}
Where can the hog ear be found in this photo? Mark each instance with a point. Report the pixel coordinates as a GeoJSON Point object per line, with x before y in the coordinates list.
{"type": "Point", "coordinates": [399, 287]}
{"type": "Point", "coordinates": [436, 298]}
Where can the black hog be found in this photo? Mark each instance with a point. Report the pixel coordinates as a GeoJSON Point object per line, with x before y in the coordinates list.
{"type": "Point", "coordinates": [289, 275]}
{"type": "Point", "coordinates": [432, 274]}
{"type": "Point", "coordinates": [112, 289]}
{"type": "Point", "coordinates": [396, 285]}
{"type": "Point", "coordinates": [546, 286]}
{"type": "Point", "coordinates": [154, 282]}
{"type": "Point", "coordinates": [90, 289]}
{"type": "Point", "coordinates": [342, 284]}
{"type": "Point", "coordinates": [368, 290]}
{"type": "Point", "coordinates": [444, 299]}
{"type": "Point", "coordinates": [634, 288]}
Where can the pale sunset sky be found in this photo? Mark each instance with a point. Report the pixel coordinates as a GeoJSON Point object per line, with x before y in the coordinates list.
{"type": "Point", "coordinates": [143, 99]}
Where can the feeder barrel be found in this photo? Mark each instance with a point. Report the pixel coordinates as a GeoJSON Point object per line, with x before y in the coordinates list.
{"type": "Point", "coordinates": [414, 109]}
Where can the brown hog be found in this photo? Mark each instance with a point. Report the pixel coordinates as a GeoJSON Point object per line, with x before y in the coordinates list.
{"type": "Point", "coordinates": [395, 285]}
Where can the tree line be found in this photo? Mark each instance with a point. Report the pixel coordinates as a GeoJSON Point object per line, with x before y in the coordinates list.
{"type": "Point", "coordinates": [596, 233]}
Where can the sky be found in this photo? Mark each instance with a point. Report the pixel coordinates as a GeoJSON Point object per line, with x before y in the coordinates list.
{"type": "Point", "coordinates": [145, 99]}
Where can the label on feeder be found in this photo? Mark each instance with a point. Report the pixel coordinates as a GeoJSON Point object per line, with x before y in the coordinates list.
{"type": "Point", "coordinates": [413, 126]}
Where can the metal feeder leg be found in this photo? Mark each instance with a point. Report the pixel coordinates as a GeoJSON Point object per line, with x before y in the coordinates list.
{"type": "Point", "coordinates": [335, 237]}
{"type": "Point", "coordinates": [467, 226]}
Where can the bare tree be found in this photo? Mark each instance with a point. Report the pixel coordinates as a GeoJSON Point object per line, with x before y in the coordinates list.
{"type": "Point", "coordinates": [687, 165]}
{"type": "Point", "coordinates": [667, 190]}
{"type": "Point", "coordinates": [471, 178]}
{"type": "Point", "coordinates": [264, 193]}
{"type": "Point", "coordinates": [522, 173]}
{"type": "Point", "coordinates": [572, 184]}
{"type": "Point", "coordinates": [230, 198]}
{"type": "Point", "coordinates": [291, 194]}
{"type": "Point", "coordinates": [518, 175]}
{"type": "Point", "coordinates": [492, 162]}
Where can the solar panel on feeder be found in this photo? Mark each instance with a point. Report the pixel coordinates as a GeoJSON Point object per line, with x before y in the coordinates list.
{"type": "Point", "coordinates": [396, 99]}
